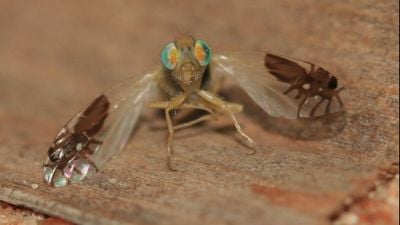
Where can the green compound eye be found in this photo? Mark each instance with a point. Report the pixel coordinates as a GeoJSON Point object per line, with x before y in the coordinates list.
{"type": "Point", "coordinates": [169, 56]}
{"type": "Point", "coordinates": [202, 53]}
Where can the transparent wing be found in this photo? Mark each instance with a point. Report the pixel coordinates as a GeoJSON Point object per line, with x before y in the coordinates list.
{"type": "Point", "coordinates": [283, 87]}
{"type": "Point", "coordinates": [100, 131]}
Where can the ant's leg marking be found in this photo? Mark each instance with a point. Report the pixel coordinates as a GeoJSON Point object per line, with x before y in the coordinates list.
{"type": "Point", "coordinates": [298, 95]}
{"type": "Point", "coordinates": [93, 164]}
{"type": "Point", "coordinates": [90, 141]}
{"type": "Point", "coordinates": [312, 113]}
{"type": "Point", "coordinates": [328, 107]}
{"type": "Point", "coordinates": [338, 97]}
{"type": "Point", "coordinates": [301, 105]}
{"type": "Point", "coordinates": [291, 88]}
{"type": "Point", "coordinates": [312, 67]}
{"type": "Point", "coordinates": [89, 151]}
{"type": "Point", "coordinates": [340, 100]}
{"type": "Point", "coordinates": [78, 171]}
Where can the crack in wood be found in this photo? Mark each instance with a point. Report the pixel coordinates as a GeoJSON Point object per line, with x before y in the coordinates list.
{"type": "Point", "coordinates": [385, 176]}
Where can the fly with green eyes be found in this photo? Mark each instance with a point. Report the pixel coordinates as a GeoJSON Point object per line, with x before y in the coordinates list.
{"type": "Point", "coordinates": [189, 78]}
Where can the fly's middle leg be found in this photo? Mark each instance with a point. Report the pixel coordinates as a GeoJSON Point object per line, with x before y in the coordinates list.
{"type": "Point", "coordinates": [230, 108]}
{"type": "Point", "coordinates": [235, 108]}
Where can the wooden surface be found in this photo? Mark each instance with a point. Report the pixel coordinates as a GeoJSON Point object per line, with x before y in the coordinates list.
{"type": "Point", "coordinates": [56, 57]}
{"type": "Point", "coordinates": [17, 215]}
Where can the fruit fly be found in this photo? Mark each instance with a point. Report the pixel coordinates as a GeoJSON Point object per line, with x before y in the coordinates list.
{"type": "Point", "coordinates": [189, 78]}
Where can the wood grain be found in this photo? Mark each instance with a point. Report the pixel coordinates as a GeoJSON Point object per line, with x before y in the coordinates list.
{"type": "Point", "coordinates": [56, 57]}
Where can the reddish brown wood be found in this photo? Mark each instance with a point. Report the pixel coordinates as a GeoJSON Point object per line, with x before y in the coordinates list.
{"type": "Point", "coordinates": [56, 56]}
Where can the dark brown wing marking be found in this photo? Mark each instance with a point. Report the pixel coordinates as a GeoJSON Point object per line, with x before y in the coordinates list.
{"type": "Point", "coordinates": [72, 145]}
{"type": "Point", "coordinates": [316, 82]}
{"type": "Point", "coordinates": [93, 117]}
{"type": "Point", "coordinates": [283, 69]}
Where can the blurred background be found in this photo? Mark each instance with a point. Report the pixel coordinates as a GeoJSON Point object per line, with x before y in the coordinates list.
{"type": "Point", "coordinates": [72, 47]}
{"type": "Point", "coordinates": [56, 56]}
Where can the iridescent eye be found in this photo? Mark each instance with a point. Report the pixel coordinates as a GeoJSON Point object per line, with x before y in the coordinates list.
{"type": "Point", "coordinates": [202, 53]}
{"type": "Point", "coordinates": [169, 56]}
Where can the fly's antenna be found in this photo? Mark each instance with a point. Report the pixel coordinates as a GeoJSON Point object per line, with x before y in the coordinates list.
{"type": "Point", "coordinates": [182, 34]}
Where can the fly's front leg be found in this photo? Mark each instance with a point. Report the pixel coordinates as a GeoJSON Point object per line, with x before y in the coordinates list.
{"type": "Point", "coordinates": [174, 103]}
{"type": "Point", "coordinates": [221, 105]}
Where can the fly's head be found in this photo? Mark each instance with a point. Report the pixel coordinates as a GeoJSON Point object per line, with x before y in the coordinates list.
{"type": "Point", "coordinates": [187, 59]}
